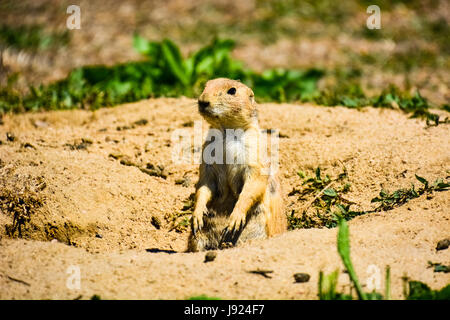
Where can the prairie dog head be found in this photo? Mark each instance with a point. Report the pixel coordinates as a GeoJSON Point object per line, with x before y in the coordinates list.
{"type": "Point", "coordinates": [226, 103]}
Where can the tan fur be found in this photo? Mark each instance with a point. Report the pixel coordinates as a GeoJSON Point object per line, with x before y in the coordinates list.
{"type": "Point", "coordinates": [239, 201]}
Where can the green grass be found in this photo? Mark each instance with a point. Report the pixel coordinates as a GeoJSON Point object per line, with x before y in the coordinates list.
{"type": "Point", "coordinates": [328, 283]}
{"type": "Point", "coordinates": [32, 37]}
{"type": "Point", "coordinates": [439, 267]}
{"type": "Point", "coordinates": [165, 72]}
{"type": "Point", "coordinates": [388, 201]}
{"type": "Point", "coordinates": [343, 245]}
{"type": "Point", "coordinates": [350, 94]}
{"type": "Point", "coordinates": [420, 291]}
{"type": "Point", "coordinates": [203, 297]}
{"type": "Point", "coordinates": [330, 203]}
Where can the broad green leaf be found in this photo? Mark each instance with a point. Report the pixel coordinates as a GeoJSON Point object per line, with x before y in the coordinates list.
{"type": "Point", "coordinates": [141, 44]}
{"type": "Point", "coordinates": [330, 192]}
{"type": "Point", "coordinates": [342, 209]}
{"type": "Point", "coordinates": [189, 67]}
{"type": "Point", "coordinates": [441, 268]}
{"type": "Point", "coordinates": [423, 180]}
{"type": "Point", "coordinates": [174, 60]}
{"type": "Point", "coordinates": [413, 192]}
{"type": "Point", "coordinates": [442, 186]}
{"type": "Point", "coordinates": [205, 66]}
{"type": "Point", "coordinates": [121, 88]}
{"type": "Point", "coordinates": [350, 102]}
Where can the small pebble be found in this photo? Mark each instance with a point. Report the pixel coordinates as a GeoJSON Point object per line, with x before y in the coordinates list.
{"type": "Point", "coordinates": [301, 277]}
{"type": "Point", "coordinates": [188, 124]}
{"type": "Point", "coordinates": [210, 256]}
{"type": "Point", "coordinates": [99, 236]}
{"type": "Point", "coordinates": [156, 222]}
{"type": "Point", "coordinates": [10, 136]}
{"type": "Point", "coordinates": [40, 124]}
{"type": "Point", "coordinates": [443, 244]}
{"type": "Point", "coordinates": [141, 122]}
{"type": "Point", "coordinates": [28, 145]}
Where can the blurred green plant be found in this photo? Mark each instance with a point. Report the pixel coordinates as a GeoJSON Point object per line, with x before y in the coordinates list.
{"type": "Point", "coordinates": [351, 95]}
{"type": "Point", "coordinates": [328, 201]}
{"type": "Point", "coordinates": [215, 61]}
{"type": "Point", "coordinates": [203, 297]}
{"type": "Point", "coordinates": [32, 37]}
{"type": "Point", "coordinates": [328, 283]}
{"type": "Point", "coordinates": [420, 291]}
{"type": "Point", "coordinates": [164, 72]}
{"type": "Point", "coordinates": [388, 201]}
{"type": "Point", "coordinates": [416, 104]}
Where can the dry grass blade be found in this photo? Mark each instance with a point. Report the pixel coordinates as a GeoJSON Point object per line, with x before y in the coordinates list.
{"type": "Point", "coordinates": [310, 203]}
{"type": "Point", "coordinates": [263, 273]}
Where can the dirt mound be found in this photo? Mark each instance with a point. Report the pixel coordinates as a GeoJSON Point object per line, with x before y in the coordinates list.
{"type": "Point", "coordinates": [103, 184]}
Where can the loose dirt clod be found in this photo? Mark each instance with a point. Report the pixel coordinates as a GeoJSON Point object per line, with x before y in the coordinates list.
{"type": "Point", "coordinates": [126, 161]}
{"type": "Point", "coordinates": [443, 244]}
{"type": "Point", "coordinates": [79, 144]}
{"type": "Point", "coordinates": [156, 171]}
{"type": "Point", "coordinates": [188, 124]}
{"type": "Point", "coordinates": [210, 256]}
{"type": "Point", "coordinates": [141, 122]}
{"type": "Point", "coordinates": [28, 145]}
{"type": "Point", "coordinates": [156, 222]}
{"type": "Point", "coordinates": [301, 277]}
{"type": "Point", "coordinates": [149, 168]}
{"type": "Point", "coordinates": [116, 156]}
{"type": "Point", "coordinates": [10, 137]}
{"type": "Point", "coordinates": [185, 181]}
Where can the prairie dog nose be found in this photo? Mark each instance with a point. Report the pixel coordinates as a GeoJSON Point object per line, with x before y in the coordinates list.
{"type": "Point", "coordinates": [202, 104]}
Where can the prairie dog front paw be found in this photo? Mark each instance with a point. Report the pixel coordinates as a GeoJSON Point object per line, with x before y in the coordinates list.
{"type": "Point", "coordinates": [197, 218]}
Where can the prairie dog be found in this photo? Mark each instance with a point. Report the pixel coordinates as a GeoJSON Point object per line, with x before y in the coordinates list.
{"type": "Point", "coordinates": [238, 198]}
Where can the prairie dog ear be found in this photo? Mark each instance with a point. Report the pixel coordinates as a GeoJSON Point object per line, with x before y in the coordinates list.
{"type": "Point", "coordinates": [253, 109]}
{"type": "Point", "coordinates": [251, 96]}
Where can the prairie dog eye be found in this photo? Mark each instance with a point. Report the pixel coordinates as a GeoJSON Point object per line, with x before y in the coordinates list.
{"type": "Point", "coordinates": [231, 91]}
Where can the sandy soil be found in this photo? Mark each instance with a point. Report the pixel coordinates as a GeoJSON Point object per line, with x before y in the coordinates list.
{"type": "Point", "coordinates": [100, 215]}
